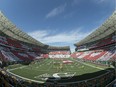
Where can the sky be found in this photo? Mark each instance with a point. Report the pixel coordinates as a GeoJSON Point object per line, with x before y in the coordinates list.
{"type": "Point", "coordinates": [58, 22]}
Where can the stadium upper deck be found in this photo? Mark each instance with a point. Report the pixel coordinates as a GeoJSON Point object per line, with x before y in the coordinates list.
{"type": "Point", "coordinates": [106, 29]}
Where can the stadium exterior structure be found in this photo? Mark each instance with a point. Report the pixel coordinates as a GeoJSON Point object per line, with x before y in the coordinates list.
{"type": "Point", "coordinates": [28, 48]}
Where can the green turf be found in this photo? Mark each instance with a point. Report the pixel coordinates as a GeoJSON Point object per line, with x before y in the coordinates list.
{"type": "Point", "coordinates": [48, 67]}
{"type": "Point", "coordinates": [14, 66]}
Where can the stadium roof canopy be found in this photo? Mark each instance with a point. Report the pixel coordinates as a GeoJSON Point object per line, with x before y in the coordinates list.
{"type": "Point", "coordinates": [107, 28]}
{"type": "Point", "coordinates": [11, 30]}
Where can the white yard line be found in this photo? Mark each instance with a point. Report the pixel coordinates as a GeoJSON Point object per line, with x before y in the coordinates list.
{"type": "Point", "coordinates": [45, 62]}
{"type": "Point", "coordinates": [51, 65]}
{"type": "Point", "coordinates": [90, 65]}
{"type": "Point", "coordinates": [17, 68]}
{"type": "Point", "coordinates": [47, 68]}
{"type": "Point", "coordinates": [25, 78]}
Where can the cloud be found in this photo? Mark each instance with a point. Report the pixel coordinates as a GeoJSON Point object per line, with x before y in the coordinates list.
{"type": "Point", "coordinates": [64, 37]}
{"type": "Point", "coordinates": [56, 11]}
{"type": "Point", "coordinates": [38, 34]}
{"type": "Point", "coordinates": [67, 38]}
{"type": "Point", "coordinates": [60, 39]}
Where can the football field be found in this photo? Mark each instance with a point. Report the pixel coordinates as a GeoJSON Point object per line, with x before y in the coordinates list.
{"type": "Point", "coordinates": [56, 70]}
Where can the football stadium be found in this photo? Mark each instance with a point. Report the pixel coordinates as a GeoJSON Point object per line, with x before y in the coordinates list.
{"type": "Point", "coordinates": [27, 62]}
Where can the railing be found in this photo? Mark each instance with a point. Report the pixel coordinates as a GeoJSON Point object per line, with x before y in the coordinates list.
{"type": "Point", "coordinates": [112, 84]}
